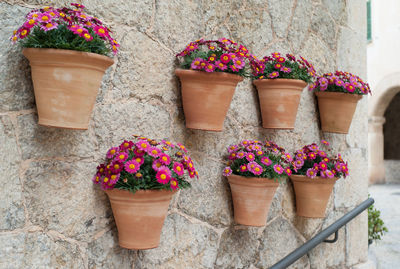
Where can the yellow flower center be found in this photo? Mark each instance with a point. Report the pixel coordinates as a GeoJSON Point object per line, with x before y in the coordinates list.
{"type": "Point", "coordinates": [83, 16]}
{"type": "Point", "coordinates": [257, 169]}
{"type": "Point", "coordinates": [45, 18]}
{"type": "Point", "coordinates": [113, 177]}
{"type": "Point", "coordinates": [122, 157]}
{"type": "Point", "coordinates": [132, 166]}
{"type": "Point", "coordinates": [164, 158]}
{"type": "Point", "coordinates": [46, 8]}
{"type": "Point", "coordinates": [14, 38]}
{"type": "Point", "coordinates": [106, 179]}
{"type": "Point", "coordinates": [178, 168]}
{"type": "Point", "coordinates": [101, 30]}
{"type": "Point", "coordinates": [116, 166]}
{"type": "Point", "coordinates": [173, 183]}
{"type": "Point", "coordinates": [163, 176]}
{"type": "Point", "coordinates": [212, 58]}
{"type": "Point", "coordinates": [138, 175]}
{"type": "Point", "coordinates": [24, 32]}
{"type": "Point", "coordinates": [79, 30]}
{"type": "Point", "coordinates": [35, 15]}
{"type": "Point", "coordinates": [191, 47]}
{"type": "Point", "coordinates": [87, 36]}
{"type": "Point", "coordinates": [158, 165]}
{"type": "Point", "coordinates": [49, 25]}
{"type": "Point", "coordinates": [143, 145]}
{"type": "Point", "coordinates": [52, 14]}
{"type": "Point", "coordinates": [31, 22]}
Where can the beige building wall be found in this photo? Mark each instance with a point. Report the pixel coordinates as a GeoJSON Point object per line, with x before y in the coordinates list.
{"type": "Point", "coordinates": [383, 70]}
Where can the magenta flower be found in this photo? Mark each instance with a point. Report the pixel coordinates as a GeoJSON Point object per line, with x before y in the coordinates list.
{"type": "Point", "coordinates": [241, 154]}
{"type": "Point", "coordinates": [338, 167]}
{"type": "Point", "coordinates": [174, 184]}
{"type": "Point", "coordinates": [220, 65]}
{"type": "Point", "coordinates": [154, 151]}
{"type": "Point", "coordinates": [178, 169]}
{"type": "Point", "coordinates": [163, 175]}
{"type": "Point", "coordinates": [265, 160]}
{"type": "Point", "coordinates": [288, 171]}
{"type": "Point", "coordinates": [278, 169]}
{"type": "Point", "coordinates": [87, 36]}
{"type": "Point", "coordinates": [233, 156]}
{"type": "Point", "coordinates": [143, 145]}
{"type": "Point", "coordinates": [225, 58]}
{"type": "Point", "coordinates": [288, 157]}
{"type": "Point", "coordinates": [243, 168]}
{"type": "Point", "coordinates": [312, 155]}
{"type": "Point", "coordinates": [257, 170]}
{"type": "Point", "coordinates": [164, 158]}
{"type": "Point", "coordinates": [339, 83]}
{"type": "Point", "coordinates": [250, 156]}
{"type": "Point", "coordinates": [323, 166]}
{"type": "Point", "coordinates": [285, 69]}
{"type": "Point", "coordinates": [96, 178]}
{"type": "Point", "coordinates": [116, 166]}
{"type": "Point", "coordinates": [156, 165]}
{"type": "Point", "coordinates": [132, 166]}
{"type": "Point", "coordinates": [259, 152]}
{"type": "Point", "coordinates": [329, 174]}
{"type": "Point", "coordinates": [322, 153]}
{"type": "Point", "coordinates": [196, 64]}
{"type": "Point", "coordinates": [209, 67]}
{"type": "Point", "coordinates": [30, 23]}
{"type": "Point", "coordinates": [239, 63]}
{"type": "Point", "coordinates": [138, 152]}
{"type": "Point", "coordinates": [233, 148]}
{"type": "Point", "coordinates": [48, 26]}
{"type": "Point", "coordinates": [299, 163]}
{"type": "Point", "coordinates": [126, 145]}
{"type": "Point", "coordinates": [234, 68]}
{"type": "Point", "coordinates": [311, 173]}
{"type": "Point", "coordinates": [281, 59]}
{"type": "Point", "coordinates": [101, 31]}
{"type": "Point", "coordinates": [273, 74]}
{"type": "Point", "coordinates": [325, 142]}
{"type": "Point", "coordinates": [323, 84]}
{"type": "Point", "coordinates": [44, 17]}
{"type": "Point", "coordinates": [349, 87]}
{"type": "Point", "coordinates": [122, 156]}
{"type": "Point", "coordinates": [278, 66]}
{"type": "Point", "coordinates": [251, 165]}
{"type": "Point", "coordinates": [227, 171]}
{"type": "Point", "coordinates": [111, 152]}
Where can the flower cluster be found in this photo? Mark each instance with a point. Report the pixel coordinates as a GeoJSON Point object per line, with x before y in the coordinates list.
{"type": "Point", "coordinates": [312, 162]}
{"type": "Point", "coordinates": [47, 21]}
{"type": "Point", "coordinates": [222, 55]}
{"type": "Point", "coordinates": [340, 82]}
{"type": "Point", "coordinates": [282, 66]}
{"type": "Point", "coordinates": [145, 164]}
{"type": "Point", "coordinates": [252, 158]}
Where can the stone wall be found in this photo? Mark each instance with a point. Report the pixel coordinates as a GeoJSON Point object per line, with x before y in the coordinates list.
{"type": "Point", "coordinates": [51, 216]}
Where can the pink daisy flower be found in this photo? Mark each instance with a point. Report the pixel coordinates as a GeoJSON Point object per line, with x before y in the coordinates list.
{"type": "Point", "coordinates": [325, 142]}
{"type": "Point", "coordinates": [251, 165]}
{"type": "Point", "coordinates": [313, 147]}
{"type": "Point", "coordinates": [281, 59]}
{"type": "Point", "coordinates": [48, 26]}
{"type": "Point", "coordinates": [349, 87]}
{"type": "Point", "coordinates": [211, 58]}
{"type": "Point", "coordinates": [132, 166]}
{"type": "Point", "coordinates": [243, 168]}
{"type": "Point", "coordinates": [273, 74]}
{"type": "Point", "coordinates": [323, 84]}
{"type": "Point", "coordinates": [239, 63]}
{"type": "Point", "coordinates": [174, 184]}
{"type": "Point", "coordinates": [96, 178]}
{"type": "Point", "coordinates": [143, 145]}
{"type": "Point", "coordinates": [126, 145]}
{"type": "Point", "coordinates": [323, 166]}
{"type": "Point", "coordinates": [163, 175]}
{"type": "Point", "coordinates": [288, 171]}
{"type": "Point", "coordinates": [311, 173]}
{"type": "Point", "coordinates": [339, 83]}
{"type": "Point", "coordinates": [30, 23]}
{"type": "Point", "coordinates": [156, 165]}
{"type": "Point", "coordinates": [285, 69]}
{"type": "Point", "coordinates": [116, 166]}
{"type": "Point", "coordinates": [44, 17]}
{"type": "Point", "coordinates": [338, 167]}
{"type": "Point", "coordinates": [232, 156]}
{"type": "Point", "coordinates": [122, 156]}
{"type": "Point", "coordinates": [322, 153]}
{"type": "Point", "coordinates": [265, 160]}
{"type": "Point", "coordinates": [209, 67]}
{"type": "Point", "coordinates": [220, 65]}
{"type": "Point", "coordinates": [276, 55]}
{"type": "Point", "coordinates": [232, 148]}
{"type": "Point", "coordinates": [278, 169]}
{"type": "Point", "coordinates": [196, 64]}
{"type": "Point", "coordinates": [278, 66]}
{"type": "Point", "coordinates": [114, 178]}
{"type": "Point", "coordinates": [259, 152]}
{"type": "Point", "coordinates": [23, 32]}
{"type": "Point", "coordinates": [241, 154]}
{"type": "Point", "coordinates": [299, 163]}
{"type": "Point", "coordinates": [288, 157]}
{"type": "Point", "coordinates": [225, 58]}
{"type": "Point", "coordinates": [312, 155]}
{"type": "Point", "coordinates": [227, 171]}
{"type": "Point", "coordinates": [101, 31]}
{"type": "Point", "coordinates": [178, 169]}
{"type": "Point", "coordinates": [138, 152]}
{"type": "Point", "coordinates": [250, 156]}
{"type": "Point", "coordinates": [168, 143]}
{"type": "Point", "coordinates": [164, 159]}
{"type": "Point", "coordinates": [154, 151]}
{"type": "Point", "coordinates": [245, 143]}
{"type": "Point", "coordinates": [87, 36]}
{"type": "Point", "coordinates": [111, 152]}
{"type": "Point", "coordinates": [257, 170]}
{"type": "Point", "coordinates": [329, 174]}
{"type": "Point", "coordinates": [234, 68]}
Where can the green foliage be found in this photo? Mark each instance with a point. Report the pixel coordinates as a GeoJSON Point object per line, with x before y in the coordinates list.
{"type": "Point", "coordinates": [297, 72]}
{"type": "Point", "coordinates": [376, 226]}
{"type": "Point", "coordinates": [62, 38]}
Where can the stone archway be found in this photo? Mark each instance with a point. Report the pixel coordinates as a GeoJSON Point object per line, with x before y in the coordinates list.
{"type": "Point", "coordinates": [384, 92]}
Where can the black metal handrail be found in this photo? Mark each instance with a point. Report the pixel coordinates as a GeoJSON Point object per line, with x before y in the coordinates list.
{"type": "Point", "coordinates": [321, 237]}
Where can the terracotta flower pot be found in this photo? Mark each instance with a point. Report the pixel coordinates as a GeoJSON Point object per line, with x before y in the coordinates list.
{"type": "Point", "coordinates": [66, 83]}
{"type": "Point", "coordinates": [252, 199]}
{"type": "Point", "coordinates": [312, 195]}
{"type": "Point", "coordinates": [279, 101]}
{"type": "Point", "coordinates": [140, 216]}
{"type": "Point", "coordinates": [336, 110]}
{"type": "Point", "coordinates": [206, 97]}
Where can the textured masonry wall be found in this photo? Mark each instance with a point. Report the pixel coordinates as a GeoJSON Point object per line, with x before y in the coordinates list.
{"type": "Point", "coordinates": [52, 216]}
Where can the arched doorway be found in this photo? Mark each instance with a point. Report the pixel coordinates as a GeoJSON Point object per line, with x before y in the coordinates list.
{"type": "Point", "coordinates": [384, 93]}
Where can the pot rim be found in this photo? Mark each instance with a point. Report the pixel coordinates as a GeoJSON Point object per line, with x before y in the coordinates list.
{"type": "Point", "coordinates": [298, 82]}
{"type": "Point", "coordinates": [195, 73]}
{"type": "Point", "coordinates": [30, 51]}
{"type": "Point", "coordinates": [139, 193]}
{"type": "Point", "coordinates": [241, 180]}
{"type": "Point", "coordinates": [338, 95]}
{"type": "Point", "coordinates": [316, 180]}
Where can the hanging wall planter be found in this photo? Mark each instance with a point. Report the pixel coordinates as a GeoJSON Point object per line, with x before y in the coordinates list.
{"type": "Point", "coordinates": [314, 176]}
{"type": "Point", "coordinates": [208, 80]}
{"type": "Point", "coordinates": [280, 81]}
{"type": "Point", "coordinates": [252, 174]}
{"type": "Point", "coordinates": [67, 51]}
{"type": "Point", "coordinates": [338, 95]}
{"type": "Point", "coordinates": [140, 177]}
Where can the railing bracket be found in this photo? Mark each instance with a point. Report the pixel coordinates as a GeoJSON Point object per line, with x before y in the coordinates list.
{"type": "Point", "coordinates": [331, 241]}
